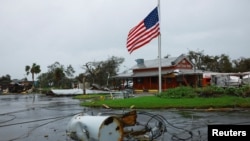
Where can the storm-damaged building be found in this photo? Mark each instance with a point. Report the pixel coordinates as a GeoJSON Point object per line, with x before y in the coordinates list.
{"type": "Point", "coordinates": [175, 71]}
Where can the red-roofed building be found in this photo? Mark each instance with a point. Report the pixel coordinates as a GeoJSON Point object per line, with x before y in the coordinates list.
{"type": "Point", "coordinates": [175, 71]}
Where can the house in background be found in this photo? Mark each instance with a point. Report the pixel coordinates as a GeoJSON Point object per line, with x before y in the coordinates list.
{"type": "Point", "coordinates": [175, 71]}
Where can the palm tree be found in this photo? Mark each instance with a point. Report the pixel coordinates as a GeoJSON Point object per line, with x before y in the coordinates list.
{"type": "Point", "coordinates": [34, 69]}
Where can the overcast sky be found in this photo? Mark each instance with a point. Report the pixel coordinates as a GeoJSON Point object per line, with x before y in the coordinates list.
{"type": "Point", "coordinates": [79, 31]}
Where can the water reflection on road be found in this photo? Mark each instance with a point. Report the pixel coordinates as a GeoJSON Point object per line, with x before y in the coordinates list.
{"type": "Point", "coordinates": [40, 117]}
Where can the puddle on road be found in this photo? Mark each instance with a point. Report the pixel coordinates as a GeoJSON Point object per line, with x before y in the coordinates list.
{"type": "Point", "coordinates": [17, 109]}
{"type": "Point", "coordinates": [188, 114]}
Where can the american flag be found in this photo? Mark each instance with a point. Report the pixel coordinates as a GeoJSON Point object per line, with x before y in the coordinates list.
{"type": "Point", "coordinates": [144, 32]}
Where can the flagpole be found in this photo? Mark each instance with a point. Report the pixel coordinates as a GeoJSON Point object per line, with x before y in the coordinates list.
{"type": "Point", "coordinates": [159, 51]}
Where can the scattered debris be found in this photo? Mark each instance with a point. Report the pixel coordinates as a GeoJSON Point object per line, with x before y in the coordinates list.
{"type": "Point", "coordinates": [115, 127]}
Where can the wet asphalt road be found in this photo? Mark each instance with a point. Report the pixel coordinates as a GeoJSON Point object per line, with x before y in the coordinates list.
{"type": "Point", "coordinates": [44, 118]}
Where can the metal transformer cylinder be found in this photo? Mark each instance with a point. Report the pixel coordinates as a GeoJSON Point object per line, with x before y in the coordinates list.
{"type": "Point", "coordinates": [95, 128]}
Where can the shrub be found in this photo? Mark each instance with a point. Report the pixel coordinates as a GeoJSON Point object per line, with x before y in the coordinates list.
{"type": "Point", "coordinates": [211, 91]}
{"type": "Point", "coordinates": [179, 92]}
{"type": "Point", "coordinates": [245, 90]}
{"type": "Point", "coordinates": [233, 91]}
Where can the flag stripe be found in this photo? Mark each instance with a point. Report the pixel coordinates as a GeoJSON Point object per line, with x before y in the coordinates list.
{"type": "Point", "coordinates": [147, 35]}
{"type": "Point", "coordinates": [136, 31]}
{"type": "Point", "coordinates": [146, 39]}
{"type": "Point", "coordinates": [142, 43]}
{"type": "Point", "coordinates": [144, 32]}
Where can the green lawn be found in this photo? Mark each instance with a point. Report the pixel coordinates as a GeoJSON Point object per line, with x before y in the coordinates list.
{"type": "Point", "coordinates": [152, 102]}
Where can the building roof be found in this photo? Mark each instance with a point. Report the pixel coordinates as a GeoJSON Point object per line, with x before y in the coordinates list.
{"type": "Point", "coordinates": [165, 62]}
{"type": "Point", "coordinates": [154, 63]}
{"type": "Point", "coordinates": [123, 75]}
{"type": "Point", "coordinates": [156, 73]}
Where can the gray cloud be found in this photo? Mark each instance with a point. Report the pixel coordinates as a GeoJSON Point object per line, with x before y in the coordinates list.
{"type": "Point", "coordinates": [75, 32]}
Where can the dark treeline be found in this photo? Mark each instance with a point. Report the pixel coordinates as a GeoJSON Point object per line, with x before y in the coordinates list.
{"type": "Point", "coordinates": [221, 63]}
{"type": "Point", "coordinates": [95, 72]}
{"type": "Point", "coordinates": [101, 72]}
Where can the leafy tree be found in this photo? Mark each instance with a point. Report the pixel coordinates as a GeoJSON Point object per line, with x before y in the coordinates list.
{"type": "Point", "coordinates": [79, 78]}
{"type": "Point", "coordinates": [58, 76]}
{"type": "Point", "coordinates": [196, 58]}
{"type": "Point", "coordinates": [212, 63]}
{"type": "Point", "coordinates": [241, 65]}
{"type": "Point", "coordinates": [4, 81]}
{"type": "Point", "coordinates": [34, 69]}
{"type": "Point", "coordinates": [45, 79]}
{"type": "Point", "coordinates": [70, 71]}
{"type": "Point", "coordinates": [224, 64]}
{"type": "Point", "coordinates": [100, 72]}
{"type": "Point", "coordinates": [52, 67]}
{"type": "Point", "coordinates": [5, 78]}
